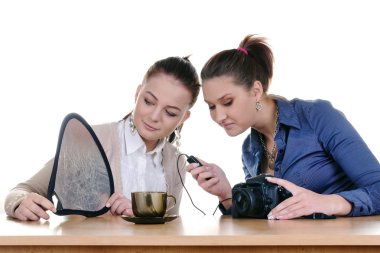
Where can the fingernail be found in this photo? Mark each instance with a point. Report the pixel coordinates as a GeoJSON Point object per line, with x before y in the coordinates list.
{"type": "Point", "coordinates": [270, 217]}
{"type": "Point", "coordinates": [108, 204]}
{"type": "Point", "coordinates": [195, 165]}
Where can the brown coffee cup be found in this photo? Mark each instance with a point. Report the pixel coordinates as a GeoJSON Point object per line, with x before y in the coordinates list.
{"type": "Point", "coordinates": [151, 204]}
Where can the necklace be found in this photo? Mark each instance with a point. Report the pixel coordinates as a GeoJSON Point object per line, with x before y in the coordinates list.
{"type": "Point", "coordinates": [270, 155]}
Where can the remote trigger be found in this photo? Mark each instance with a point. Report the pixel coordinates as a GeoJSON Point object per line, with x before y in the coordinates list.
{"type": "Point", "coordinates": [192, 159]}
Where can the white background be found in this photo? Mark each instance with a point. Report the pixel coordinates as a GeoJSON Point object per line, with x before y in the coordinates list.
{"type": "Point", "coordinates": [58, 57]}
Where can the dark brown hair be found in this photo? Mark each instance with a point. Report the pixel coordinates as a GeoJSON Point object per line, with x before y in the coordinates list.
{"type": "Point", "coordinates": [253, 62]}
{"type": "Point", "coordinates": [181, 69]}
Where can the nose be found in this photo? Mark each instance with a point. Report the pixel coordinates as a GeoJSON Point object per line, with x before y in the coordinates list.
{"type": "Point", "coordinates": [220, 115]}
{"type": "Point", "coordinates": [156, 113]}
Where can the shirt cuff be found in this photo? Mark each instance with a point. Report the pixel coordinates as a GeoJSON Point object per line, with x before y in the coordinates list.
{"type": "Point", "coordinates": [224, 210]}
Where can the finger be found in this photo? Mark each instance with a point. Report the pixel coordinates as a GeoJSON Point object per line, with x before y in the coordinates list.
{"type": "Point", "coordinates": [295, 213]}
{"type": "Point", "coordinates": [39, 212]}
{"type": "Point", "coordinates": [190, 167]}
{"type": "Point", "coordinates": [19, 215]}
{"type": "Point", "coordinates": [128, 212]}
{"type": "Point", "coordinates": [195, 172]}
{"type": "Point", "coordinates": [121, 208]}
{"type": "Point", "coordinates": [113, 198]}
{"type": "Point", "coordinates": [285, 204]}
{"type": "Point", "coordinates": [124, 205]}
{"type": "Point", "coordinates": [284, 183]}
{"type": "Point", "coordinates": [202, 161]}
{"type": "Point", "coordinates": [25, 214]}
{"type": "Point", "coordinates": [205, 176]}
{"type": "Point", "coordinates": [291, 208]}
{"type": "Point", "coordinates": [286, 209]}
{"type": "Point", "coordinates": [114, 207]}
{"type": "Point", "coordinates": [44, 203]}
{"type": "Point", "coordinates": [209, 184]}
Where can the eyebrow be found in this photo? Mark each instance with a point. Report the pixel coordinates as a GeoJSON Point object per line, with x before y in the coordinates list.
{"type": "Point", "coordinates": [221, 98]}
{"type": "Point", "coordinates": [170, 106]}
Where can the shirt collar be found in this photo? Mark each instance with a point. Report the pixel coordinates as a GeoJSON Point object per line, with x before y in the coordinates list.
{"type": "Point", "coordinates": [134, 142]}
{"type": "Point", "coordinates": [287, 114]}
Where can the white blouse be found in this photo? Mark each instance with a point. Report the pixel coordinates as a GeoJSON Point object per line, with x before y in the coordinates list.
{"type": "Point", "coordinates": [140, 170]}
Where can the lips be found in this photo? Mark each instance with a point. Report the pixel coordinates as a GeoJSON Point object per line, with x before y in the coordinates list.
{"type": "Point", "coordinates": [149, 127]}
{"type": "Point", "coordinates": [227, 125]}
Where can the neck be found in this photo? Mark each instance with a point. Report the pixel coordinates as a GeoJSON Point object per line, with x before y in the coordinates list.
{"type": "Point", "coordinates": [269, 118]}
{"type": "Point", "coordinates": [150, 145]}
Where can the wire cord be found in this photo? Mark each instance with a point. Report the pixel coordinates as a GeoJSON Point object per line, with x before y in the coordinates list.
{"type": "Point", "coordinates": [180, 177]}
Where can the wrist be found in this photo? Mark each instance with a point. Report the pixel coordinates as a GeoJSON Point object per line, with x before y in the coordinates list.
{"type": "Point", "coordinates": [226, 201]}
{"type": "Point", "coordinates": [341, 206]}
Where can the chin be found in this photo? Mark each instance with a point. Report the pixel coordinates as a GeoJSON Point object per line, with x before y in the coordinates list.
{"type": "Point", "coordinates": [235, 131]}
{"type": "Point", "coordinates": [232, 133]}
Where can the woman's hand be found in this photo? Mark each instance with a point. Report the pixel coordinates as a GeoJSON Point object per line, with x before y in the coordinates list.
{"type": "Point", "coordinates": [33, 207]}
{"type": "Point", "coordinates": [119, 205]}
{"type": "Point", "coordinates": [305, 202]}
{"type": "Point", "coordinates": [212, 179]}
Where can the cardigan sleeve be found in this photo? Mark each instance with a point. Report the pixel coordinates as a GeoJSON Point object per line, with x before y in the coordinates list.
{"type": "Point", "coordinates": [38, 184]}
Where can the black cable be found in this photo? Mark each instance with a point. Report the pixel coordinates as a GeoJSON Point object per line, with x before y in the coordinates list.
{"type": "Point", "coordinates": [180, 177]}
{"type": "Point", "coordinates": [220, 202]}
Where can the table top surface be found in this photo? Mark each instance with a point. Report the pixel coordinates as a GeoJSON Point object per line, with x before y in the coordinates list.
{"type": "Point", "coordinates": [199, 230]}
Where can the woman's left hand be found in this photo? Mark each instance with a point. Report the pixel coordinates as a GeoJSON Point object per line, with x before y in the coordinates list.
{"type": "Point", "coordinates": [305, 202]}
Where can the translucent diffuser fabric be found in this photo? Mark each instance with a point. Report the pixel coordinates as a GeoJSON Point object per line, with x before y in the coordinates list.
{"type": "Point", "coordinates": [81, 181]}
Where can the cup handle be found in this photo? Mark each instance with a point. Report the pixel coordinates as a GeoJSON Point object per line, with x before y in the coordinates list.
{"type": "Point", "coordinates": [175, 201]}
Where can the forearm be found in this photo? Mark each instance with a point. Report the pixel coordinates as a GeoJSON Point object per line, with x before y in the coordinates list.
{"type": "Point", "coordinates": [38, 184]}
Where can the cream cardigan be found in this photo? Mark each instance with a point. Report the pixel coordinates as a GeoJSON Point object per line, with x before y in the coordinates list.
{"type": "Point", "coordinates": [109, 137]}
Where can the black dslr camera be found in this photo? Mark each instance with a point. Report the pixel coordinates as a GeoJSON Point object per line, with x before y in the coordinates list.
{"type": "Point", "coordinates": [256, 197]}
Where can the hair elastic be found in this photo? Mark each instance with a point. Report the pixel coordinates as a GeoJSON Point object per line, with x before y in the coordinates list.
{"type": "Point", "coordinates": [243, 50]}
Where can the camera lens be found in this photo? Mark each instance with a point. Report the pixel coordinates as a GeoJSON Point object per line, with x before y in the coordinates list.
{"type": "Point", "coordinates": [248, 202]}
{"type": "Point", "coordinates": [241, 201]}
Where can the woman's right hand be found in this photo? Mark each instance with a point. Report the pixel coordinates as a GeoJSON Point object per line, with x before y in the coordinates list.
{"type": "Point", "coordinates": [212, 179]}
{"type": "Point", "coordinates": [33, 207]}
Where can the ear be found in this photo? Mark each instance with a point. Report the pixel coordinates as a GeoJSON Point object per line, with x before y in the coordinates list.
{"type": "Point", "coordinates": [138, 92]}
{"type": "Point", "coordinates": [257, 90]}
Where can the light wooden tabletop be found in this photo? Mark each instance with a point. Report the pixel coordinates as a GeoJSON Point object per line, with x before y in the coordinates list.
{"type": "Point", "coordinates": [200, 230]}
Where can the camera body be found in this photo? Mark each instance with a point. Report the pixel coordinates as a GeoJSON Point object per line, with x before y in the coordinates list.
{"type": "Point", "coordinates": [256, 197]}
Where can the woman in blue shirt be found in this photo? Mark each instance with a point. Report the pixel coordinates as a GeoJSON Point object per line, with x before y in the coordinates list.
{"type": "Point", "coordinates": [309, 146]}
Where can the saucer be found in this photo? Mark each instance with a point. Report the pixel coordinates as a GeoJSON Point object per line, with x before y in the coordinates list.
{"type": "Point", "coordinates": [149, 220]}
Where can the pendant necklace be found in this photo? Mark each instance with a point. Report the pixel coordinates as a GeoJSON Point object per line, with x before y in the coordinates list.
{"type": "Point", "coordinates": [271, 155]}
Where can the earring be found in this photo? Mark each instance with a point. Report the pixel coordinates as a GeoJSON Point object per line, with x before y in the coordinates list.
{"type": "Point", "coordinates": [259, 106]}
{"type": "Point", "coordinates": [131, 124]}
{"type": "Point", "coordinates": [177, 139]}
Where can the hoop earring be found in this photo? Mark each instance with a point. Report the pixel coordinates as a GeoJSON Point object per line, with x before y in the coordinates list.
{"type": "Point", "coordinates": [131, 124]}
{"type": "Point", "coordinates": [259, 106]}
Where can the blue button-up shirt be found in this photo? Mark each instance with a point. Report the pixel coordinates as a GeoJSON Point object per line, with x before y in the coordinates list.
{"type": "Point", "coordinates": [318, 149]}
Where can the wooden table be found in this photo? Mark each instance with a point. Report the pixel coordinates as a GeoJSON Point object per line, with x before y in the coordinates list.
{"type": "Point", "coordinates": [190, 234]}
